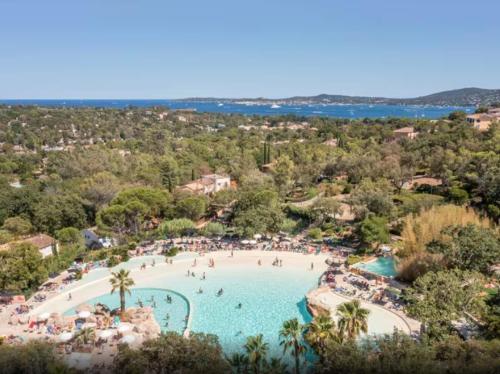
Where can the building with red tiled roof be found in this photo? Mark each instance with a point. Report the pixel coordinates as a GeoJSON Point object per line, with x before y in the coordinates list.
{"type": "Point", "coordinates": [45, 244]}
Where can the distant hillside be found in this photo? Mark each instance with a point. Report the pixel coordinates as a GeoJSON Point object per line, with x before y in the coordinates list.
{"type": "Point", "coordinates": [460, 97]}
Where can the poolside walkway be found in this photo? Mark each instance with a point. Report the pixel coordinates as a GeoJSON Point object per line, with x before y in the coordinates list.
{"type": "Point", "coordinates": [380, 321]}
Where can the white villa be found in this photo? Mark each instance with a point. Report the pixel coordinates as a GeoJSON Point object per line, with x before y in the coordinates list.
{"type": "Point", "coordinates": [208, 184]}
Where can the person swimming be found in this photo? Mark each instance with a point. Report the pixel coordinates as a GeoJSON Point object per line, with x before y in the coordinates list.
{"type": "Point", "coordinates": [200, 290]}
{"type": "Point", "coordinates": [220, 292]}
{"type": "Point", "coordinates": [239, 306]}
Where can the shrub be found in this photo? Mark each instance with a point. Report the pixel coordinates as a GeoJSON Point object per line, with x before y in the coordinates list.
{"type": "Point", "coordinates": [315, 233]}
{"type": "Point", "coordinates": [172, 252]}
{"type": "Point", "coordinates": [421, 229]}
{"type": "Point", "coordinates": [177, 227]}
{"type": "Point", "coordinates": [353, 259]}
{"type": "Point", "coordinates": [214, 229]}
{"type": "Point", "coordinates": [458, 195]}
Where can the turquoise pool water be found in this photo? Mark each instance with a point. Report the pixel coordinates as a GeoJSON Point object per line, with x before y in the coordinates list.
{"type": "Point", "coordinates": [170, 316]}
{"type": "Point", "coordinates": [268, 296]}
{"type": "Point", "coordinates": [384, 266]}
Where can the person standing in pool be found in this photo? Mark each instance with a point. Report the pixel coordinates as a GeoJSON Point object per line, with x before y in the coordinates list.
{"type": "Point", "coordinates": [239, 306]}
{"type": "Point", "coordinates": [203, 277]}
{"type": "Point", "coordinates": [259, 262]}
{"type": "Point", "coordinates": [312, 265]}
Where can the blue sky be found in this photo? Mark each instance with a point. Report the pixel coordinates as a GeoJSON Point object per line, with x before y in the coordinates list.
{"type": "Point", "coordinates": [233, 48]}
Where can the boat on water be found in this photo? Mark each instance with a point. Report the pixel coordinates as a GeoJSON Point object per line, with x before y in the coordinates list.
{"type": "Point", "coordinates": [275, 106]}
{"type": "Point", "coordinates": [220, 104]}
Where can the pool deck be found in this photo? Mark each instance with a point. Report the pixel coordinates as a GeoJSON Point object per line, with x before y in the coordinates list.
{"type": "Point", "coordinates": [83, 290]}
{"type": "Point", "coordinates": [381, 320]}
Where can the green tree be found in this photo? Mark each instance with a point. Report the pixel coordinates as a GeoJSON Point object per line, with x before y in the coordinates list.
{"type": "Point", "coordinates": [121, 282]}
{"type": "Point", "coordinates": [458, 195]}
{"type": "Point", "coordinates": [191, 207]}
{"type": "Point", "coordinates": [374, 231]}
{"type": "Point", "coordinates": [256, 350]}
{"type": "Point", "coordinates": [353, 319]}
{"type": "Point", "coordinates": [457, 115]}
{"type": "Point", "coordinates": [275, 366]}
{"type": "Point", "coordinates": [70, 236]}
{"type": "Point", "coordinates": [471, 248]}
{"type": "Point", "coordinates": [55, 212]}
{"type": "Point", "coordinates": [326, 208]}
{"type": "Point", "coordinates": [172, 353]}
{"type": "Point", "coordinates": [257, 211]}
{"type": "Point", "coordinates": [33, 357]}
{"type": "Point", "coordinates": [239, 362]}
{"type": "Point", "coordinates": [169, 171]}
{"type": "Point", "coordinates": [17, 226]}
{"type": "Point", "coordinates": [291, 335]}
{"type": "Point", "coordinates": [283, 174]}
{"type": "Point", "coordinates": [320, 332]}
{"type": "Point", "coordinates": [437, 298]}
{"type": "Point", "coordinates": [371, 197]}
{"type": "Point", "coordinates": [22, 268]}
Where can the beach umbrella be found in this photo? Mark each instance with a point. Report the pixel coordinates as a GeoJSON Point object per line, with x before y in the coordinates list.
{"type": "Point", "coordinates": [66, 336]}
{"type": "Point", "coordinates": [123, 328]}
{"type": "Point", "coordinates": [106, 334]}
{"type": "Point", "coordinates": [257, 236]}
{"type": "Point", "coordinates": [44, 316]}
{"type": "Point", "coordinates": [244, 242]}
{"type": "Point", "coordinates": [84, 314]}
{"type": "Point", "coordinates": [127, 339]}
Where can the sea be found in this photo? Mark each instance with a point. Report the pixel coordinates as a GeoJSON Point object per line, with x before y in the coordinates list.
{"type": "Point", "coordinates": [352, 111]}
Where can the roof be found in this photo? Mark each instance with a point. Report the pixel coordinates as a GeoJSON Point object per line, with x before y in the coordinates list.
{"type": "Point", "coordinates": [405, 130]}
{"type": "Point", "coordinates": [481, 116]}
{"type": "Point", "coordinates": [40, 241]}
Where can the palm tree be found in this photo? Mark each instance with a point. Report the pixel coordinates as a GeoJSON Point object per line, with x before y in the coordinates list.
{"type": "Point", "coordinates": [353, 319]}
{"type": "Point", "coordinates": [256, 350]}
{"type": "Point", "coordinates": [239, 362]}
{"type": "Point", "coordinates": [292, 338]}
{"type": "Point", "coordinates": [320, 331]}
{"type": "Point", "coordinates": [85, 336]}
{"type": "Point", "coordinates": [122, 282]}
{"type": "Point", "coordinates": [275, 366]}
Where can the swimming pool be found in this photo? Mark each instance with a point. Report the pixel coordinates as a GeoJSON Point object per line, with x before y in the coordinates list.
{"type": "Point", "coordinates": [384, 266]}
{"type": "Point", "coordinates": [268, 295]}
{"type": "Point", "coordinates": [170, 316]}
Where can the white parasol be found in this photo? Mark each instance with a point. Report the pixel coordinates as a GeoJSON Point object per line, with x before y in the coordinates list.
{"type": "Point", "coordinates": [123, 328]}
{"type": "Point", "coordinates": [84, 314]}
{"type": "Point", "coordinates": [106, 334]}
{"type": "Point", "coordinates": [44, 316]}
{"type": "Point", "coordinates": [127, 339]}
{"type": "Point", "coordinates": [66, 336]}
